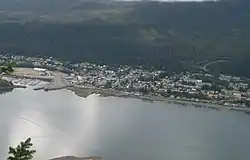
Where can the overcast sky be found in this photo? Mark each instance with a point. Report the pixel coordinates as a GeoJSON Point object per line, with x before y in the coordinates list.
{"type": "Point", "coordinates": [173, 0]}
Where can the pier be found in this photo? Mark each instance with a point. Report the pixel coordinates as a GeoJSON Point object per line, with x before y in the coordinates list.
{"type": "Point", "coordinates": [29, 77]}
{"type": "Point", "coordinates": [57, 83]}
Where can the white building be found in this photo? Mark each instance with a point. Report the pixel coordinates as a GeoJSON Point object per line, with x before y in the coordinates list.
{"type": "Point", "coordinates": [237, 95]}
{"type": "Point", "coordinates": [40, 69]}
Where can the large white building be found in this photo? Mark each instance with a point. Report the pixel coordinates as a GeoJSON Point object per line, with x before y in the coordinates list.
{"type": "Point", "coordinates": [40, 69]}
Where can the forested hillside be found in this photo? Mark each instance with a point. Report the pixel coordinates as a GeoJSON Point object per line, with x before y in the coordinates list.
{"type": "Point", "coordinates": [174, 36]}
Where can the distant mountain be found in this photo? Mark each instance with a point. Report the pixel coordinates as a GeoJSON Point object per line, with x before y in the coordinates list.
{"type": "Point", "coordinates": [172, 36]}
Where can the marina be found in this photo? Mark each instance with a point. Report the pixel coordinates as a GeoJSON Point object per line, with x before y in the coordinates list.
{"type": "Point", "coordinates": [39, 79]}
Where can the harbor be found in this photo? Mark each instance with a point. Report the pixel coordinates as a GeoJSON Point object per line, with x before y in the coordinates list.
{"type": "Point", "coordinates": [39, 79]}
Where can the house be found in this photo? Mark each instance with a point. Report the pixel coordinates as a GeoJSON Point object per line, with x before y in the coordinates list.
{"type": "Point", "coordinates": [225, 77]}
{"type": "Point", "coordinates": [237, 95]}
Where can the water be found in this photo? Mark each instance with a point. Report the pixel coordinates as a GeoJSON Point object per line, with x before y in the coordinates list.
{"type": "Point", "coordinates": [61, 123]}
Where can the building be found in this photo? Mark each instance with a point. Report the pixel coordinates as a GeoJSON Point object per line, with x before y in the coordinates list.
{"type": "Point", "coordinates": [225, 77]}
{"type": "Point", "coordinates": [40, 69]}
{"type": "Point", "coordinates": [237, 95]}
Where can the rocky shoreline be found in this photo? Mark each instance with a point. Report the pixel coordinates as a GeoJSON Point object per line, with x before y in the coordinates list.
{"type": "Point", "coordinates": [6, 86]}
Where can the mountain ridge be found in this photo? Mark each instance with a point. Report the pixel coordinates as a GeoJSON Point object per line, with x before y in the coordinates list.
{"type": "Point", "coordinates": [172, 36]}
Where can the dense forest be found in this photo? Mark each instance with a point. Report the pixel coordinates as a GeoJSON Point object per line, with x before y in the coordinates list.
{"type": "Point", "coordinates": [175, 36]}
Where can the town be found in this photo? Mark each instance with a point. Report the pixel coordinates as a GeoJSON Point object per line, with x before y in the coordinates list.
{"type": "Point", "coordinates": [224, 90]}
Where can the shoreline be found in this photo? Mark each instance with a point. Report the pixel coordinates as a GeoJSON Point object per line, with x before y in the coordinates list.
{"type": "Point", "coordinates": [13, 87]}
{"type": "Point", "coordinates": [85, 92]}
{"type": "Point", "coordinates": [5, 85]}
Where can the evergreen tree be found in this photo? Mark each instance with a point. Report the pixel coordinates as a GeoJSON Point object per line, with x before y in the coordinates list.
{"type": "Point", "coordinates": [22, 151]}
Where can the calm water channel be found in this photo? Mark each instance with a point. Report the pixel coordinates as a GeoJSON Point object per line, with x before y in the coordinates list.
{"type": "Point", "coordinates": [61, 123]}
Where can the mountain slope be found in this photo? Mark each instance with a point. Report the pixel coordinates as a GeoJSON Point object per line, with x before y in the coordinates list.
{"type": "Point", "coordinates": [173, 36]}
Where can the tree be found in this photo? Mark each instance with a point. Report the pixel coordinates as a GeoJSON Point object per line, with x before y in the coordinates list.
{"type": "Point", "coordinates": [205, 87]}
{"type": "Point", "coordinates": [7, 69]}
{"type": "Point", "coordinates": [22, 151]}
{"type": "Point", "coordinates": [108, 85]}
{"type": "Point", "coordinates": [241, 89]}
{"type": "Point", "coordinates": [214, 87]}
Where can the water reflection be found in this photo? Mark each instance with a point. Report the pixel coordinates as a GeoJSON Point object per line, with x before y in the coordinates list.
{"type": "Point", "coordinates": [5, 90]}
{"type": "Point", "coordinates": [62, 124]}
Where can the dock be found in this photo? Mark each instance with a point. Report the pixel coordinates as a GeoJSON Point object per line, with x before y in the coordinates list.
{"type": "Point", "coordinates": [57, 83]}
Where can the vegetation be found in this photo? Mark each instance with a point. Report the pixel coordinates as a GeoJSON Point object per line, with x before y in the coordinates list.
{"type": "Point", "coordinates": [22, 151]}
{"type": "Point", "coordinates": [171, 36]}
{"type": "Point", "coordinates": [4, 83]}
{"type": "Point", "coordinates": [8, 68]}
{"type": "Point", "coordinates": [214, 87]}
